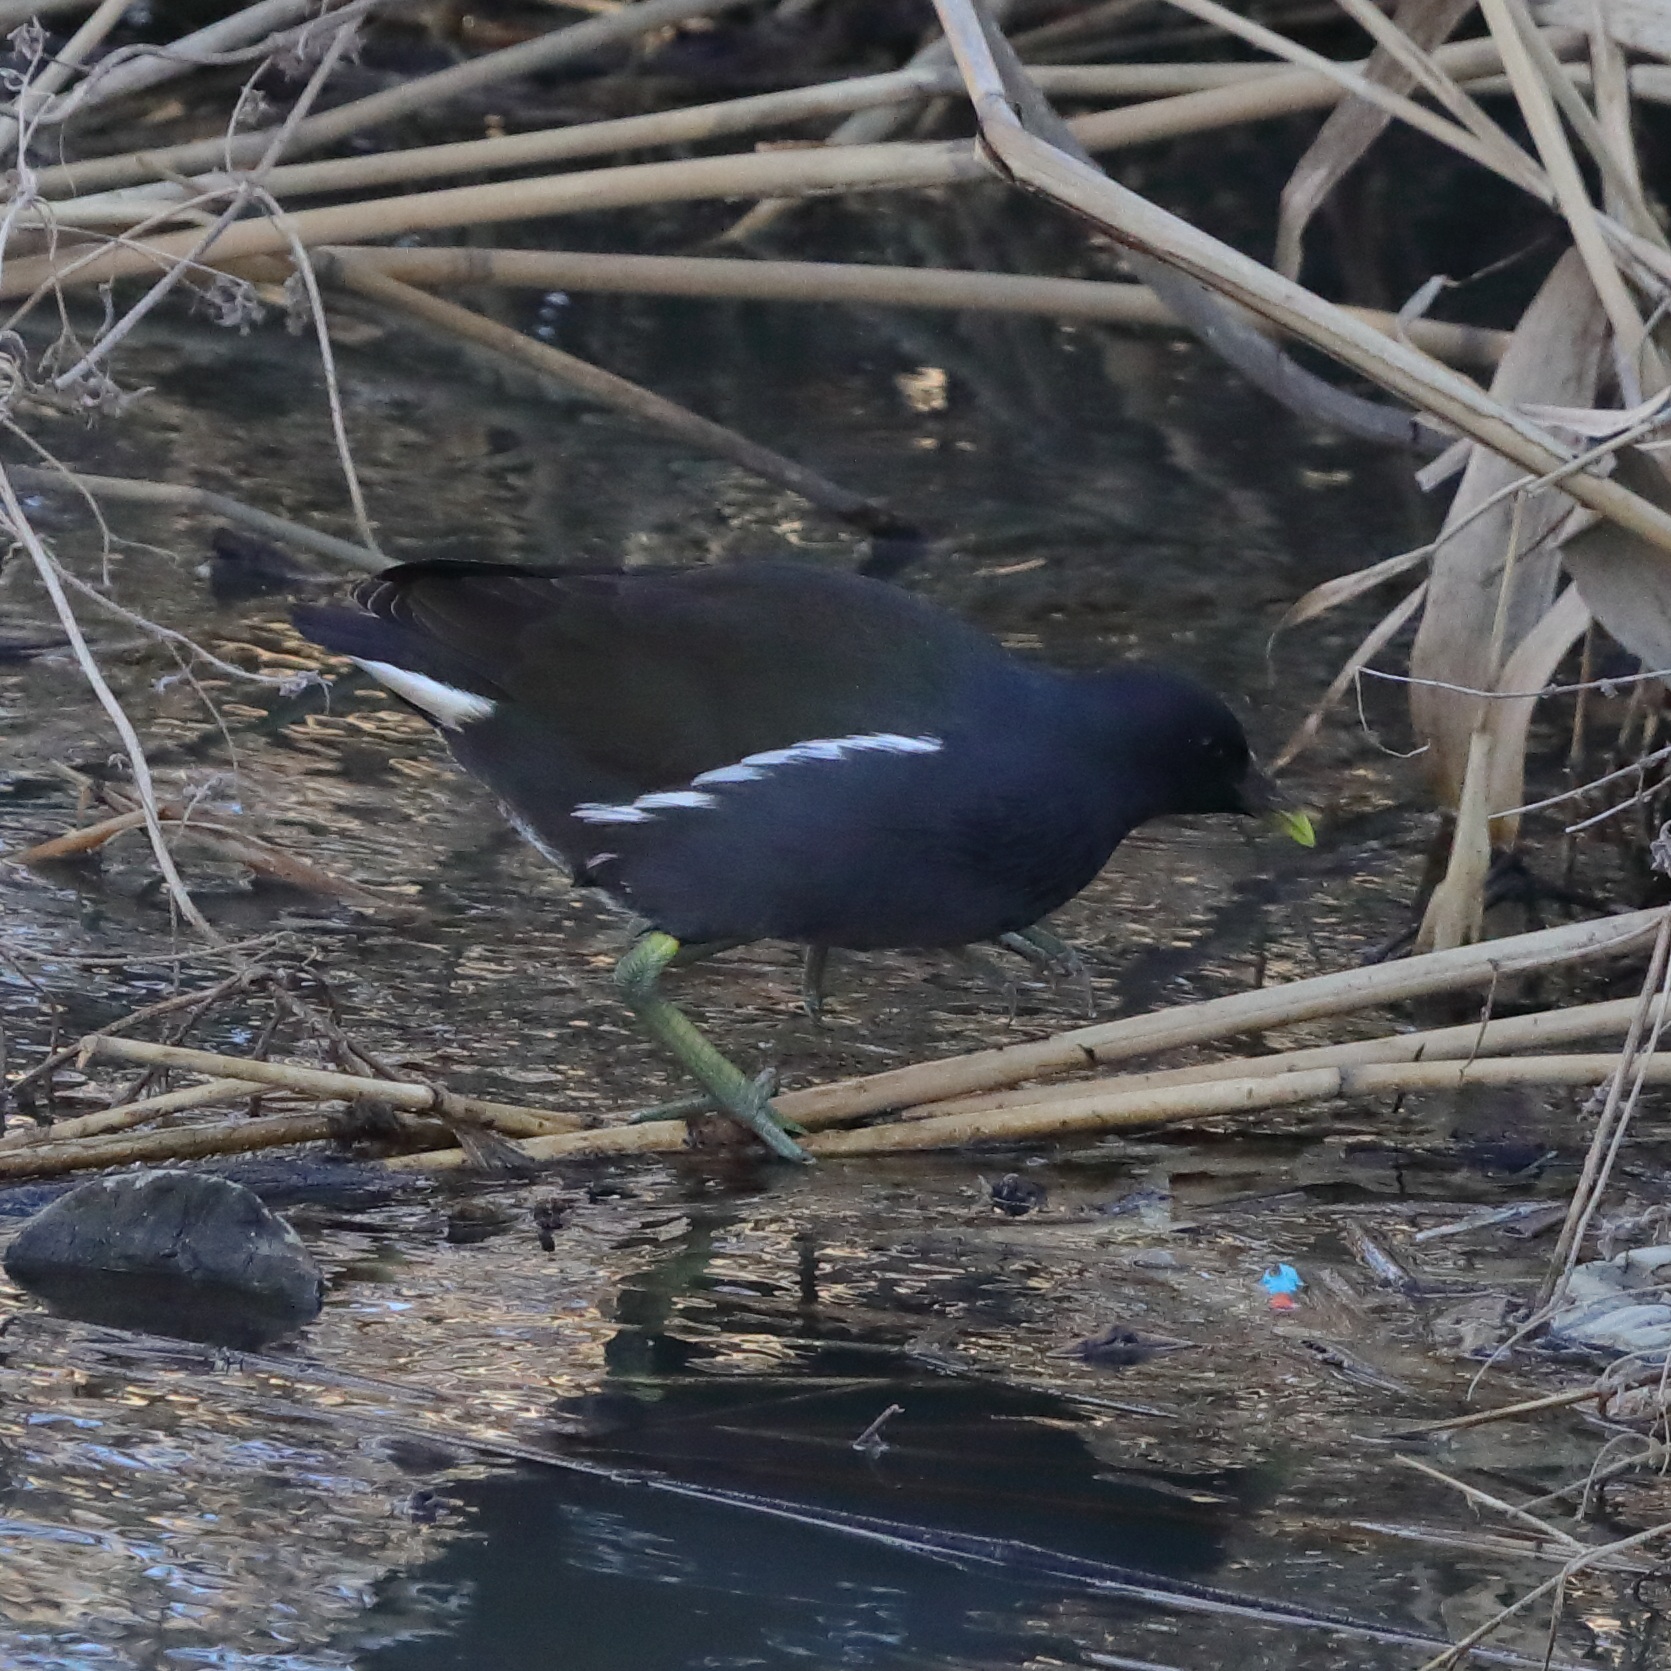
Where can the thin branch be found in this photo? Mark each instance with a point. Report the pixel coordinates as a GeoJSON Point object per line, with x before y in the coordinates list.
{"type": "Point", "coordinates": [11, 512]}
{"type": "Point", "coordinates": [129, 490]}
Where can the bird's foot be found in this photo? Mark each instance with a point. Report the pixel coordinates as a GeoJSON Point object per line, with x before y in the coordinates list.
{"type": "Point", "coordinates": [698, 1103]}
{"type": "Point", "coordinates": [636, 976]}
{"type": "Point", "coordinates": [753, 1108]}
{"type": "Point", "coordinates": [989, 974]}
{"type": "Point", "coordinates": [1055, 959]}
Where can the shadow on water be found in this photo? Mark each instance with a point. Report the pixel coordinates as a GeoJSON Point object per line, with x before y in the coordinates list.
{"type": "Point", "coordinates": [950, 1536]}
{"type": "Point", "coordinates": [194, 1311]}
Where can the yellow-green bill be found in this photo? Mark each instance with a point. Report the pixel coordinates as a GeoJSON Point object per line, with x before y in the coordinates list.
{"type": "Point", "coordinates": [1294, 824]}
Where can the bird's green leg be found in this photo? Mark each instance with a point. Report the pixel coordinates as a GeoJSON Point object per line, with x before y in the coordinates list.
{"type": "Point", "coordinates": [1054, 957]}
{"type": "Point", "coordinates": [636, 975]}
{"type": "Point", "coordinates": [701, 951]}
{"type": "Point", "coordinates": [817, 961]}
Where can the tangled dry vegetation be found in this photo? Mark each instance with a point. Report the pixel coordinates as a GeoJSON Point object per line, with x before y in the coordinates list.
{"type": "Point", "coordinates": [1558, 531]}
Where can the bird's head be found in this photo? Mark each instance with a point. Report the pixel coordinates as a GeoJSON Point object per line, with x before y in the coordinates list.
{"type": "Point", "coordinates": [1184, 752]}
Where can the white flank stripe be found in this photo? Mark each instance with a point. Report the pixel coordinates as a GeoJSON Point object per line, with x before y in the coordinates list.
{"type": "Point", "coordinates": [673, 797]}
{"type": "Point", "coordinates": [446, 704]}
{"type": "Point", "coordinates": [750, 769]}
{"type": "Point", "coordinates": [601, 812]}
{"type": "Point", "coordinates": [726, 774]}
{"type": "Point", "coordinates": [838, 748]}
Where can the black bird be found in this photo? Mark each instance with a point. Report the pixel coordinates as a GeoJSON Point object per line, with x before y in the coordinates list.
{"type": "Point", "coordinates": [772, 751]}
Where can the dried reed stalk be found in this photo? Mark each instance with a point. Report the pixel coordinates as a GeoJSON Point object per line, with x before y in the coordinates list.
{"type": "Point", "coordinates": [509, 1118]}
{"type": "Point", "coordinates": [1112, 1110]}
{"type": "Point", "coordinates": [252, 25]}
{"type": "Point", "coordinates": [58, 70]}
{"type": "Point", "coordinates": [125, 1115]}
{"type": "Point", "coordinates": [1571, 195]}
{"type": "Point", "coordinates": [1106, 1042]}
{"type": "Point", "coordinates": [151, 1148]}
{"type": "Point", "coordinates": [74, 844]}
{"type": "Point", "coordinates": [1201, 1093]}
{"type": "Point", "coordinates": [228, 842]}
{"type": "Point", "coordinates": [344, 268]}
{"type": "Point", "coordinates": [1505, 1036]}
{"type": "Point", "coordinates": [1234, 102]}
{"type": "Point", "coordinates": [1134, 221]}
{"type": "Point", "coordinates": [760, 174]}
{"type": "Point", "coordinates": [1117, 1110]}
{"type": "Point", "coordinates": [850, 283]}
{"type": "Point", "coordinates": [1509, 1412]}
{"type": "Point", "coordinates": [419, 96]}
{"type": "Point", "coordinates": [855, 168]}
{"type": "Point", "coordinates": [691, 124]}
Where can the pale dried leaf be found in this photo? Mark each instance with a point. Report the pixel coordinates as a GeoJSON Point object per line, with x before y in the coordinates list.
{"type": "Point", "coordinates": [1344, 587]}
{"type": "Point", "coordinates": [1555, 355]}
{"type": "Point", "coordinates": [1451, 462]}
{"type": "Point", "coordinates": [1424, 298]}
{"type": "Point", "coordinates": [1624, 581]}
{"type": "Point", "coordinates": [1381, 634]}
{"type": "Point", "coordinates": [1495, 776]}
{"type": "Point", "coordinates": [1355, 125]}
{"type": "Point", "coordinates": [1456, 908]}
{"type": "Point", "coordinates": [1598, 421]}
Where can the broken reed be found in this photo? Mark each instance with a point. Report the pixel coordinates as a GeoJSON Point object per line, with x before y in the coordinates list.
{"type": "Point", "coordinates": [959, 1101]}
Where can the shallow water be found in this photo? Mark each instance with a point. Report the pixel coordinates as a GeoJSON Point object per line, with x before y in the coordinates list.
{"type": "Point", "coordinates": [684, 1376]}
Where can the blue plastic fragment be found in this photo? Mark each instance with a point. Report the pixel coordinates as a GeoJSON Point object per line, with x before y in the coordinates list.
{"type": "Point", "coordinates": [1283, 1279]}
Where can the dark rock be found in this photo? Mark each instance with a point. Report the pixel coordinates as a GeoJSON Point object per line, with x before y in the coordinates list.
{"type": "Point", "coordinates": [171, 1251]}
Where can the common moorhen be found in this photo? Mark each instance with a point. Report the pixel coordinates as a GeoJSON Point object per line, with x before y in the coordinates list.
{"type": "Point", "coordinates": [775, 751]}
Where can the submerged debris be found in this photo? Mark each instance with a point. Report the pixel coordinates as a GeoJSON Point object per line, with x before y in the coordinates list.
{"type": "Point", "coordinates": [1016, 1196]}
{"type": "Point", "coordinates": [1618, 1305]}
{"type": "Point", "coordinates": [1119, 1347]}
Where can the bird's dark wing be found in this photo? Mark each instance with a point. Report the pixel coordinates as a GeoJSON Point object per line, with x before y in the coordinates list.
{"type": "Point", "coordinates": [650, 677]}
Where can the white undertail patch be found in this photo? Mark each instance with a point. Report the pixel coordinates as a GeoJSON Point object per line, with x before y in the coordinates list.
{"type": "Point", "coordinates": [750, 769]}
{"type": "Point", "coordinates": [447, 705]}
{"type": "Point", "coordinates": [601, 812]}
